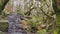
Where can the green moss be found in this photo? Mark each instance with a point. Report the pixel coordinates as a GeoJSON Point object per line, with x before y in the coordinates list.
{"type": "Point", "coordinates": [1, 32]}
{"type": "Point", "coordinates": [43, 31]}
{"type": "Point", "coordinates": [58, 22]}
{"type": "Point", "coordinates": [3, 26]}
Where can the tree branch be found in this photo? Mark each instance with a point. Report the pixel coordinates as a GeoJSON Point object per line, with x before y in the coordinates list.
{"type": "Point", "coordinates": [47, 14]}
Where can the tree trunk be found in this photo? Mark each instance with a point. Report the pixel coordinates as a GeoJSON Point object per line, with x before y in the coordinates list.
{"type": "Point", "coordinates": [37, 8]}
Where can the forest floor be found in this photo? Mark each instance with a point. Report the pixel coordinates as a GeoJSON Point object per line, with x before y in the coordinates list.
{"type": "Point", "coordinates": [9, 33]}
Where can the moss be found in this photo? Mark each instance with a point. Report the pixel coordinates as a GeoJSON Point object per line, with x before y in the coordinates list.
{"type": "Point", "coordinates": [3, 26]}
{"type": "Point", "coordinates": [43, 31]}
{"type": "Point", "coordinates": [1, 32]}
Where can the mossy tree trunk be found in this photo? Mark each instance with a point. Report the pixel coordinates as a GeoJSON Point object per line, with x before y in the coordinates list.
{"type": "Point", "coordinates": [37, 8]}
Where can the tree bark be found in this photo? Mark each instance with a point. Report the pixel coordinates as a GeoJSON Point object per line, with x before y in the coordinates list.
{"type": "Point", "coordinates": [37, 8]}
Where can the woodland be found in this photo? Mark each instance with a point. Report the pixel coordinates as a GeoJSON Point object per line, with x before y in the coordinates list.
{"type": "Point", "coordinates": [38, 16]}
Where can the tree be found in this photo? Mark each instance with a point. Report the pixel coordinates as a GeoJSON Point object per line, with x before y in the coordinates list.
{"type": "Point", "coordinates": [37, 8]}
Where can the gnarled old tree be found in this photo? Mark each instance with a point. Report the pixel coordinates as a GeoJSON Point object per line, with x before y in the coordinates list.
{"type": "Point", "coordinates": [2, 5]}
{"type": "Point", "coordinates": [37, 8]}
